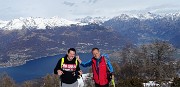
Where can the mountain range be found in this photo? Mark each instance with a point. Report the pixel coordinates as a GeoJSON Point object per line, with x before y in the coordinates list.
{"type": "Point", "coordinates": [30, 38]}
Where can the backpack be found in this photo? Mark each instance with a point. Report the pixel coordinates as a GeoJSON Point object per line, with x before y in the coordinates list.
{"type": "Point", "coordinates": [109, 75]}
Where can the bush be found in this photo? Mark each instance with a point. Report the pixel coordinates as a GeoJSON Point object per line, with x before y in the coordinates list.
{"type": "Point", "coordinates": [130, 82]}
{"type": "Point", "coordinates": [51, 81]}
{"type": "Point", "coordinates": [176, 82]}
{"type": "Point", "coordinates": [27, 84]}
{"type": "Point", "coordinates": [6, 81]}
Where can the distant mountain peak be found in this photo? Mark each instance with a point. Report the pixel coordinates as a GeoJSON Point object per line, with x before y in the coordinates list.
{"type": "Point", "coordinates": [56, 21]}
{"type": "Point", "coordinates": [146, 16]}
{"type": "Point", "coordinates": [122, 17]}
{"type": "Point", "coordinates": [35, 22]}
{"type": "Point", "coordinates": [89, 19]}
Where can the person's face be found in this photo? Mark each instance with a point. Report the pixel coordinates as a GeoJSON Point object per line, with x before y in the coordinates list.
{"type": "Point", "coordinates": [71, 55]}
{"type": "Point", "coordinates": [96, 53]}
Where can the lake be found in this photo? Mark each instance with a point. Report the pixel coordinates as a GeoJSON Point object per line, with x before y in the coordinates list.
{"type": "Point", "coordinates": [39, 67]}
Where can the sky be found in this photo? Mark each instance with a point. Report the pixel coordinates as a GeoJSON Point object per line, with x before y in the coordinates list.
{"type": "Point", "coordinates": [72, 9]}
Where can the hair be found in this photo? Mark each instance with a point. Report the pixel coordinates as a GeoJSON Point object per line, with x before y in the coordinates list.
{"type": "Point", "coordinates": [95, 49]}
{"type": "Point", "coordinates": [72, 49]}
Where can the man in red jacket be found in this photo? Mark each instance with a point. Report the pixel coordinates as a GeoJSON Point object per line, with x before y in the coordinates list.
{"type": "Point", "coordinates": [101, 68]}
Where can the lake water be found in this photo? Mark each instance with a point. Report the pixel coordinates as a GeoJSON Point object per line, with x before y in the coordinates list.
{"type": "Point", "coordinates": [38, 68]}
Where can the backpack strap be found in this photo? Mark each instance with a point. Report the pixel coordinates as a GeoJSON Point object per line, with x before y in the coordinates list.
{"type": "Point", "coordinates": [106, 63]}
{"type": "Point", "coordinates": [62, 61]}
{"type": "Point", "coordinates": [109, 75]}
{"type": "Point", "coordinates": [76, 62]}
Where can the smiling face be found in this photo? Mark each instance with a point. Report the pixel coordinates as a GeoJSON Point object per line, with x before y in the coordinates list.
{"type": "Point", "coordinates": [71, 55]}
{"type": "Point", "coordinates": [96, 53]}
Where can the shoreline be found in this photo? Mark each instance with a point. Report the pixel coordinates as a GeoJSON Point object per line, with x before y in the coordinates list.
{"type": "Point", "coordinates": [11, 64]}
{"type": "Point", "coordinates": [25, 61]}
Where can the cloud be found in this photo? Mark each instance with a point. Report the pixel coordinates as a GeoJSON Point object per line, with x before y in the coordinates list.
{"type": "Point", "coordinates": [75, 8]}
{"type": "Point", "coordinates": [68, 3]}
{"type": "Point", "coordinates": [93, 1]}
{"type": "Point", "coordinates": [164, 6]}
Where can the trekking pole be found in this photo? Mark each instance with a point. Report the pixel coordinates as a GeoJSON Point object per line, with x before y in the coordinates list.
{"type": "Point", "coordinates": [113, 83]}
{"type": "Point", "coordinates": [112, 80]}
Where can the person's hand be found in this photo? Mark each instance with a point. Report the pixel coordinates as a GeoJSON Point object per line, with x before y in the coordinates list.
{"type": "Point", "coordinates": [80, 72]}
{"type": "Point", "coordinates": [77, 57]}
{"type": "Point", "coordinates": [60, 72]}
{"type": "Point", "coordinates": [112, 77]}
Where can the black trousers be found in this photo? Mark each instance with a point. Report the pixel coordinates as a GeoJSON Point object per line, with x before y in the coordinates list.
{"type": "Point", "coordinates": [97, 85]}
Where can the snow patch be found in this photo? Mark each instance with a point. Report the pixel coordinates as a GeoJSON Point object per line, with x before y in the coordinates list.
{"type": "Point", "coordinates": [150, 84]}
{"type": "Point", "coordinates": [81, 81]}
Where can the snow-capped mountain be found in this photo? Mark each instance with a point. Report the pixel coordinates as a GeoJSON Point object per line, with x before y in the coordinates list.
{"type": "Point", "coordinates": [173, 16]}
{"type": "Point", "coordinates": [42, 23]}
{"type": "Point", "coordinates": [147, 27]}
{"type": "Point", "coordinates": [111, 34]}
{"type": "Point", "coordinates": [147, 16]}
{"type": "Point", "coordinates": [3, 23]}
{"type": "Point", "coordinates": [38, 23]}
{"type": "Point", "coordinates": [88, 19]}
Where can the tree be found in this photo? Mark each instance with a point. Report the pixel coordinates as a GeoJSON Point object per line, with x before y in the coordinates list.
{"type": "Point", "coordinates": [130, 82]}
{"type": "Point", "coordinates": [153, 61]}
{"type": "Point", "coordinates": [176, 82]}
{"type": "Point", "coordinates": [51, 81]}
{"type": "Point", "coordinates": [27, 84]}
{"type": "Point", "coordinates": [158, 60]}
{"type": "Point", "coordinates": [131, 62]}
{"type": "Point", "coordinates": [117, 69]}
{"type": "Point", "coordinates": [6, 81]}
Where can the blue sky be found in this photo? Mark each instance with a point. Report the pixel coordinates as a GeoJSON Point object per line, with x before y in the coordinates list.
{"type": "Point", "coordinates": [71, 9]}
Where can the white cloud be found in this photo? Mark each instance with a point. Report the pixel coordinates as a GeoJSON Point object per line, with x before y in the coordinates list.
{"type": "Point", "coordinates": [80, 8]}
{"type": "Point", "coordinates": [68, 3]}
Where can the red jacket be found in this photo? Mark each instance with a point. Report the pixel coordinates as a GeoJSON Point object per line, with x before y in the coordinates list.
{"type": "Point", "coordinates": [100, 78]}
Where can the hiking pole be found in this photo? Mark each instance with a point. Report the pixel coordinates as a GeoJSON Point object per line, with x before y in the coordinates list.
{"type": "Point", "coordinates": [113, 83]}
{"type": "Point", "coordinates": [112, 80]}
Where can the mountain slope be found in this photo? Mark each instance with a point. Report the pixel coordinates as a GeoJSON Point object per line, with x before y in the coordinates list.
{"type": "Point", "coordinates": [28, 38]}
{"type": "Point", "coordinates": [146, 28]}
{"type": "Point", "coordinates": [20, 45]}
